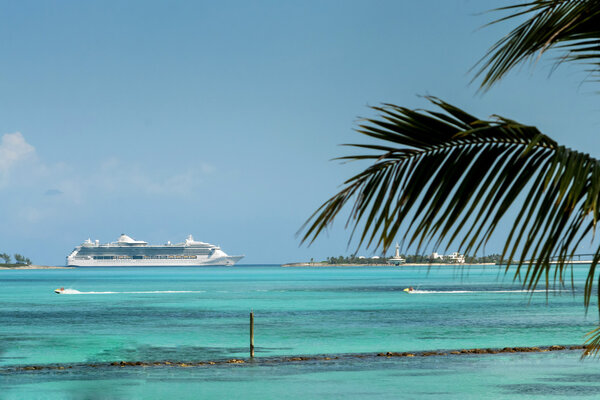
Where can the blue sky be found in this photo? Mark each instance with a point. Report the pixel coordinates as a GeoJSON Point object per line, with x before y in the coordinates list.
{"type": "Point", "coordinates": [159, 119]}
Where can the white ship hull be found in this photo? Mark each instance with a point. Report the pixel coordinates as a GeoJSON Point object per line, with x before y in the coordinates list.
{"type": "Point", "coordinates": [127, 252]}
{"type": "Point", "coordinates": [223, 261]}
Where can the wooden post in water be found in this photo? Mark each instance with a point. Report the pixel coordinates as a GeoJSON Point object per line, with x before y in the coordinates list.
{"type": "Point", "coordinates": [251, 334]}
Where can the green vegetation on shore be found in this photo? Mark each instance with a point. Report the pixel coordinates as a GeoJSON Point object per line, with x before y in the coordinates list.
{"type": "Point", "coordinates": [410, 259]}
{"type": "Point", "coordinates": [19, 260]}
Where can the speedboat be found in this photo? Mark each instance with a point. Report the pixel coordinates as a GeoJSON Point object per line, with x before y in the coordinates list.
{"type": "Point", "coordinates": [59, 290]}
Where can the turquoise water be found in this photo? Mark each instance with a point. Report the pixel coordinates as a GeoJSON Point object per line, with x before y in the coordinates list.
{"type": "Point", "coordinates": [195, 314]}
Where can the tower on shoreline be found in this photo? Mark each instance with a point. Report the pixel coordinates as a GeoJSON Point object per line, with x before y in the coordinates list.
{"type": "Point", "coordinates": [397, 260]}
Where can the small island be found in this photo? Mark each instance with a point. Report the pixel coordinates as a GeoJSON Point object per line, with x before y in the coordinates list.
{"type": "Point", "coordinates": [22, 262]}
{"type": "Point", "coordinates": [401, 260]}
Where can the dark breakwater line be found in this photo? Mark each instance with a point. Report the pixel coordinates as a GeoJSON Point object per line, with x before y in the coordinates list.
{"type": "Point", "coordinates": [288, 359]}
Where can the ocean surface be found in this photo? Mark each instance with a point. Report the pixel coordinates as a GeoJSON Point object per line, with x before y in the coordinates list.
{"type": "Point", "coordinates": [201, 314]}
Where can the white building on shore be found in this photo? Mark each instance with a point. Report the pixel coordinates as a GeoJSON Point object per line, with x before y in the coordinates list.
{"type": "Point", "coordinates": [397, 260]}
{"type": "Point", "coordinates": [456, 258]}
{"type": "Point", "coordinates": [453, 258]}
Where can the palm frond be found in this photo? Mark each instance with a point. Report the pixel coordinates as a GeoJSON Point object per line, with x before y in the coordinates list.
{"type": "Point", "coordinates": [570, 26]}
{"type": "Point", "coordinates": [592, 343]}
{"type": "Point", "coordinates": [446, 175]}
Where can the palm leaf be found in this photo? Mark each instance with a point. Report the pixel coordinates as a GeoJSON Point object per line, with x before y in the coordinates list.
{"type": "Point", "coordinates": [572, 27]}
{"type": "Point", "coordinates": [447, 175]}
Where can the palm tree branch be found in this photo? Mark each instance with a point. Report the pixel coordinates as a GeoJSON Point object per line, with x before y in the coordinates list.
{"type": "Point", "coordinates": [570, 26]}
{"type": "Point", "coordinates": [436, 184]}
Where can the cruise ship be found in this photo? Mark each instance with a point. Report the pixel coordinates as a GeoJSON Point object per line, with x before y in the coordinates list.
{"type": "Point", "coordinates": [127, 252]}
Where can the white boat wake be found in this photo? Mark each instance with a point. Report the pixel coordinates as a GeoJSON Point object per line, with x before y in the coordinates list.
{"type": "Point", "coordinates": [416, 291]}
{"type": "Point", "coordinates": [74, 291]}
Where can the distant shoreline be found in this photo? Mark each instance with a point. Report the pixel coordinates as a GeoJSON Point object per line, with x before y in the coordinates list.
{"type": "Point", "coordinates": [316, 264]}
{"type": "Point", "coordinates": [382, 265]}
{"type": "Point", "coordinates": [32, 267]}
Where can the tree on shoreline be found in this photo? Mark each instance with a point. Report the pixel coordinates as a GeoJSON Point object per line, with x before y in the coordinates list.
{"type": "Point", "coordinates": [5, 257]}
{"type": "Point", "coordinates": [446, 175]}
{"type": "Point", "coordinates": [19, 259]}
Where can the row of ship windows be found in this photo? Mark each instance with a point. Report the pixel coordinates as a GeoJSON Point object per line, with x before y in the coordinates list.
{"type": "Point", "coordinates": [142, 257]}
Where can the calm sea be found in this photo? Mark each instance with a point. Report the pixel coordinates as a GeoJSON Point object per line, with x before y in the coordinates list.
{"type": "Point", "coordinates": [196, 314]}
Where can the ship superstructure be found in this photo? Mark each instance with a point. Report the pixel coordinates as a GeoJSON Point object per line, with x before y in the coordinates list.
{"type": "Point", "coordinates": [129, 252]}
